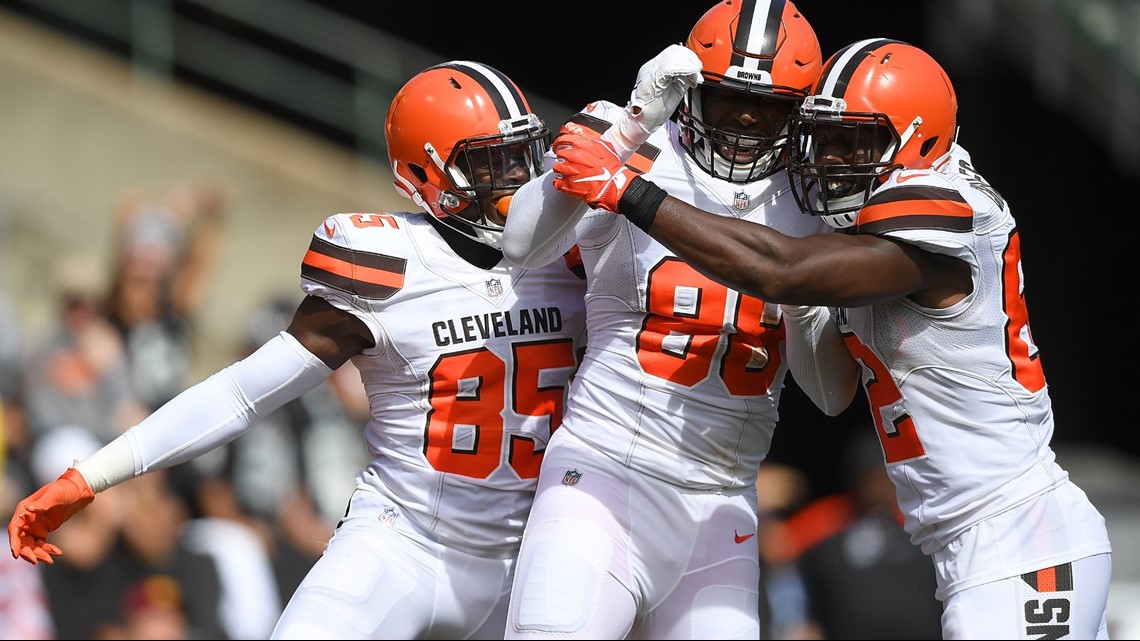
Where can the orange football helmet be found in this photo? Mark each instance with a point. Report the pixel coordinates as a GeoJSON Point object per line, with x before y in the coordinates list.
{"type": "Point", "coordinates": [762, 51]}
{"type": "Point", "coordinates": [880, 105]}
{"type": "Point", "coordinates": [461, 137]}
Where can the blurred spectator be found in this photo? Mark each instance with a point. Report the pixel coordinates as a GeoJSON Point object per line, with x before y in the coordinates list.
{"type": "Point", "coordinates": [76, 374]}
{"type": "Point", "coordinates": [163, 252]}
{"type": "Point", "coordinates": [23, 603]}
{"type": "Point", "coordinates": [130, 533]}
{"type": "Point", "coordinates": [250, 602]}
{"type": "Point", "coordinates": [152, 609]}
{"type": "Point", "coordinates": [82, 593]}
{"type": "Point", "coordinates": [780, 490]}
{"type": "Point", "coordinates": [24, 612]}
{"type": "Point", "coordinates": [15, 440]}
{"type": "Point", "coordinates": [863, 577]}
{"type": "Point", "coordinates": [11, 348]}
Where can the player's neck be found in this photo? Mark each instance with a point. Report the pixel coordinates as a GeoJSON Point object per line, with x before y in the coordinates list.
{"type": "Point", "coordinates": [466, 247]}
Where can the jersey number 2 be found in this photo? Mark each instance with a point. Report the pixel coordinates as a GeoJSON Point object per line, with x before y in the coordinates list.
{"type": "Point", "coordinates": [895, 427]}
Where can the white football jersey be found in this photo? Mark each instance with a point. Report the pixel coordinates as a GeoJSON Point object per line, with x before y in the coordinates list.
{"type": "Point", "coordinates": [958, 395]}
{"type": "Point", "coordinates": [682, 375]}
{"type": "Point", "coordinates": [468, 377]}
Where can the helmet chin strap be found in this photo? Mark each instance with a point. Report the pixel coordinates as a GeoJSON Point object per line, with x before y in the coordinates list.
{"type": "Point", "coordinates": [485, 234]}
{"type": "Point", "coordinates": [846, 219]}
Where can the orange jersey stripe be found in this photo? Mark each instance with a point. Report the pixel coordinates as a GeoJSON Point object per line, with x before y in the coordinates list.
{"type": "Point", "coordinates": [1047, 580]}
{"type": "Point", "coordinates": [1055, 579]}
{"type": "Point", "coordinates": [941, 208]}
{"type": "Point", "coordinates": [917, 207]}
{"type": "Point", "coordinates": [643, 158]}
{"type": "Point", "coordinates": [366, 274]}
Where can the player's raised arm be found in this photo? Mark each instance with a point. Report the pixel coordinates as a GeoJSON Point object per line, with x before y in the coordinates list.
{"type": "Point", "coordinates": [542, 222]}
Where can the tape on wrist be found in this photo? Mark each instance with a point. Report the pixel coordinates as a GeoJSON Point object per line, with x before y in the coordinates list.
{"type": "Point", "coordinates": [640, 202]}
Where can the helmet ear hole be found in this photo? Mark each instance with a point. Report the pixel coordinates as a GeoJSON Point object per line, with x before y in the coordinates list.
{"type": "Point", "coordinates": [418, 172]}
{"type": "Point", "coordinates": [928, 145]}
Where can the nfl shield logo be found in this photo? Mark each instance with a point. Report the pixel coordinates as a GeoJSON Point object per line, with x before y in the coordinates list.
{"type": "Point", "coordinates": [389, 516]}
{"type": "Point", "coordinates": [571, 477]}
{"type": "Point", "coordinates": [494, 287]}
{"type": "Point", "coordinates": [741, 201]}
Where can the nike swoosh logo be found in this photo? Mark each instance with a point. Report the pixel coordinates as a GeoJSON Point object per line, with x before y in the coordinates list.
{"type": "Point", "coordinates": [330, 230]}
{"type": "Point", "coordinates": [604, 176]}
{"type": "Point", "coordinates": [903, 178]}
{"type": "Point", "coordinates": [742, 539]}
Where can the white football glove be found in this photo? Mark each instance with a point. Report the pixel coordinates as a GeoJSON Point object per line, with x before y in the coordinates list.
{"type": "Point", "coordinates": [661, 83]}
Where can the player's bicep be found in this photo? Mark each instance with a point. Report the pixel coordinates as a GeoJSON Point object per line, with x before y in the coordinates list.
{"type": "Point", "coordinates": [332, 335]}
{"type": "Point", "coordinates": [849, 271]}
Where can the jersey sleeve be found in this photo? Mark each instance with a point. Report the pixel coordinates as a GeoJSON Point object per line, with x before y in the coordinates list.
{"type": "Point", "coordinates": [350, 278]}
{"type": "Point", "coordinates": [597, 118]}
{"type": "Point", "coordinates": [923, 209]}
{"type": "Point", "coordinates": [543, 223]}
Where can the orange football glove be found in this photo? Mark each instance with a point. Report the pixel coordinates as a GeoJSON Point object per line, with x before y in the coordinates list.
{"type": "Point", "coordinates": [590, 169]}
{"type": "Point", "coordinates": [43, 512]}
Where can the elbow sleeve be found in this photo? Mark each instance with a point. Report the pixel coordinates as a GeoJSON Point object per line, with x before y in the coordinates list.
{"type": "Point", "coordinates": [540, 224]}
{"type": "Point", "coordinates": [818, 359]}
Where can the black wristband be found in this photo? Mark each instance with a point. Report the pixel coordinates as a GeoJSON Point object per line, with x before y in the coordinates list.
{"type": "Point", "coordinates": [640, 202]}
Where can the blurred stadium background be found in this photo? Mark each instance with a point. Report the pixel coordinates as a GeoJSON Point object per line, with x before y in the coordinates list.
{"type": "Point", "coordinates": [281, 104]}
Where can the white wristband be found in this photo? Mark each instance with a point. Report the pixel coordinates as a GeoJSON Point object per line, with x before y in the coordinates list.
{"type": "Point", "coordinates": [625, 136]}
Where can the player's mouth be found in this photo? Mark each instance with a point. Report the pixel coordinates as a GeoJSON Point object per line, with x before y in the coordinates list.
{"type": "Point", "coordinates": [840, 188]}
{"type": "Point", "coordinates": [742, 151]}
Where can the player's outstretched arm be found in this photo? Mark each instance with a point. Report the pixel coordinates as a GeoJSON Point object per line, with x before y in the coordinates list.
{"type": "Point", "coordinates": [821, 269]}
{"type": "Point", "coordinates": [541, 224]}
{"type": "Point", "coordinates": [203, 417]}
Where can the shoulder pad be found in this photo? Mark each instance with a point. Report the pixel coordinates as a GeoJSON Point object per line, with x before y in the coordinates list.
{"type": "Point", "coordinates": [915, 200]}
{"type": "Point", "coordinates": [597, 115]}
{"type": "Point", "coordinates": [640, 161]}
{"type": "Point", "coordinates": [350, 253]}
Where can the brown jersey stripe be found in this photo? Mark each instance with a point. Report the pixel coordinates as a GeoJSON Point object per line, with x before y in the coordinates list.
{"type": "Point", "coordinates": [643, 158]}
{"type": "Point", "coordinates": [593, 123]}
{"type": "Point", "coordinates": [907, 208]}
{"type": "Point", "coordinates": [915, 208]}
{"type": "Point", "coordinates": [360, 258]}
{"type": "Point", "coordinates": [368, 275]}
{"type": "Point", "coordinates": [916, 192]}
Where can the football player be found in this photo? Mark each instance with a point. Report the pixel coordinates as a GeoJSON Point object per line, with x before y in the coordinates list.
{"type": "Point", "coordinates": [928, 293]}
{"type": "Point", "coordinates": [646, 513]}
{"type": "Point", "coordinates": [465, 357]}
